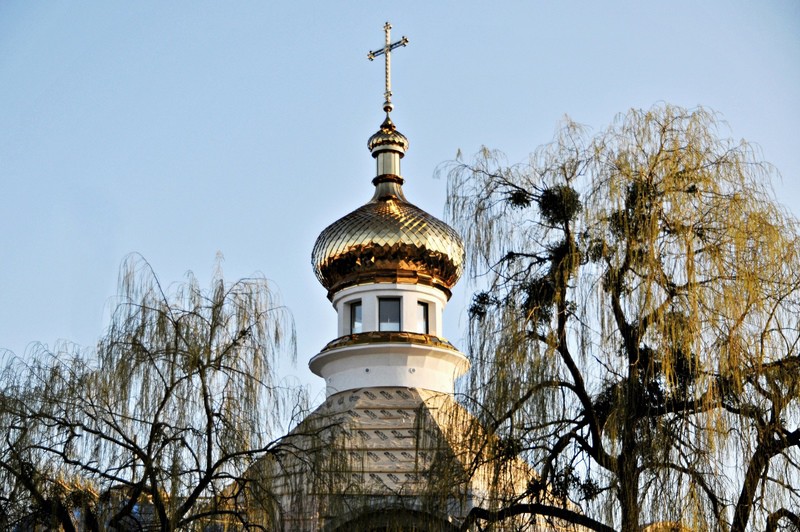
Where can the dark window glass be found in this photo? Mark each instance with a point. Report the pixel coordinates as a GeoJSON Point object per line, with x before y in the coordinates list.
{"type": "Point", "coordinates": [422, 317]}
{"type": "Point", "coordinates": [389, 314]}
{"type": "Point", "coordinates": [356, 323]}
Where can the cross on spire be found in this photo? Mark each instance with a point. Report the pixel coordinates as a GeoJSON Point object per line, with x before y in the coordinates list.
{"type": "Point", "coordinates": [387, 52]}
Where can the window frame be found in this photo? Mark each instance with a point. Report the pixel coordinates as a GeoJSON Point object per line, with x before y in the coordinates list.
{"type": "Point", "coordinates": [425, 318]}
{"type": "Point", "coordinates": [356, 308]}
{"type": "Point", "coordinates": [381, 323]}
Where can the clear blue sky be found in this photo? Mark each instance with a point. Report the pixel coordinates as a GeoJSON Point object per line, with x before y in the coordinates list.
{"type": "Point", "coordinates": [182, 129]}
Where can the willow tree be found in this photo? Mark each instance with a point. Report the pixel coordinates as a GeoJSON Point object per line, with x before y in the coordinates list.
{"type": "Point", "coordinates": [158, 425]}
{"type": "Point", "coordinates": [634, 331]}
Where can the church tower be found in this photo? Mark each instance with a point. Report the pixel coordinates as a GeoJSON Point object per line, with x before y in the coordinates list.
{"type": "Point", "coordinates": [388, 267]}
{"type": "Point", "coordinates": [391, 448]}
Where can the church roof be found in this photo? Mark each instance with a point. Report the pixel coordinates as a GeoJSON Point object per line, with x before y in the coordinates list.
{"type": "Point", "coordinates": [388, 447]}
{"type": "Point", "coordinates": [388, 240]}
{"type": "Point", "coordinates": [392, 449]}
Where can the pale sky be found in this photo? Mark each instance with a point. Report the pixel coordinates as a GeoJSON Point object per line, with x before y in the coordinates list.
{"type": "Point", "coordinates": [180, 130]}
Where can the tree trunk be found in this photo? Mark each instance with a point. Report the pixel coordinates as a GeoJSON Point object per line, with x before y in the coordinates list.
{"type": "Point", "coordinates": [744, 505]}
{"type": "Point", "coordinates": [628, 491]}
{"type": "Point", "coordinates": [628, 472]}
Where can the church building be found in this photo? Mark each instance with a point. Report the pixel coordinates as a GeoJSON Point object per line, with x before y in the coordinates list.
{"type": "Point", "coordinates": [390, 448]}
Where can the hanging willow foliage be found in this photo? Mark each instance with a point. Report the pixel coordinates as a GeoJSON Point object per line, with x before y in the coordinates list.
{"type": "Point", "coordinates": [635, 326]}
{"type": "Point", "coordinates": [160, 423]}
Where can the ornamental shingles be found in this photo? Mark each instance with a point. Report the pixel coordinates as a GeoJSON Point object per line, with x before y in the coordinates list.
{"type": "Point", "coordinates": [382, 434]}
{"type": "Point", "coordinates": [390, 448]}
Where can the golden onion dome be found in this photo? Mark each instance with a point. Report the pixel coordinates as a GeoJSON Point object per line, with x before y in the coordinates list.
{"type": "Point", "coordinates": [388, 240]}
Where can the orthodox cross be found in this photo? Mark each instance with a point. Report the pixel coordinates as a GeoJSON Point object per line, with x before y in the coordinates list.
{"type": "Point", "coordinates": [387, 52]}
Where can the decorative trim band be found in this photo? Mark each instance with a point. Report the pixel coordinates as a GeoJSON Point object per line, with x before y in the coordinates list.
{"type": "Point", "coordinates": [375, 337]}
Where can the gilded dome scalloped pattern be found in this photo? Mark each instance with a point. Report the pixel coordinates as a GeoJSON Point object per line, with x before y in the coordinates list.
{"type": "Point", "coordinates": [388, 239]}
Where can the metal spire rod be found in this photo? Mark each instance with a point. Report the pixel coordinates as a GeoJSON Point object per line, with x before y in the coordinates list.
{"type": "Point", "coordinates": [387, 52]}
